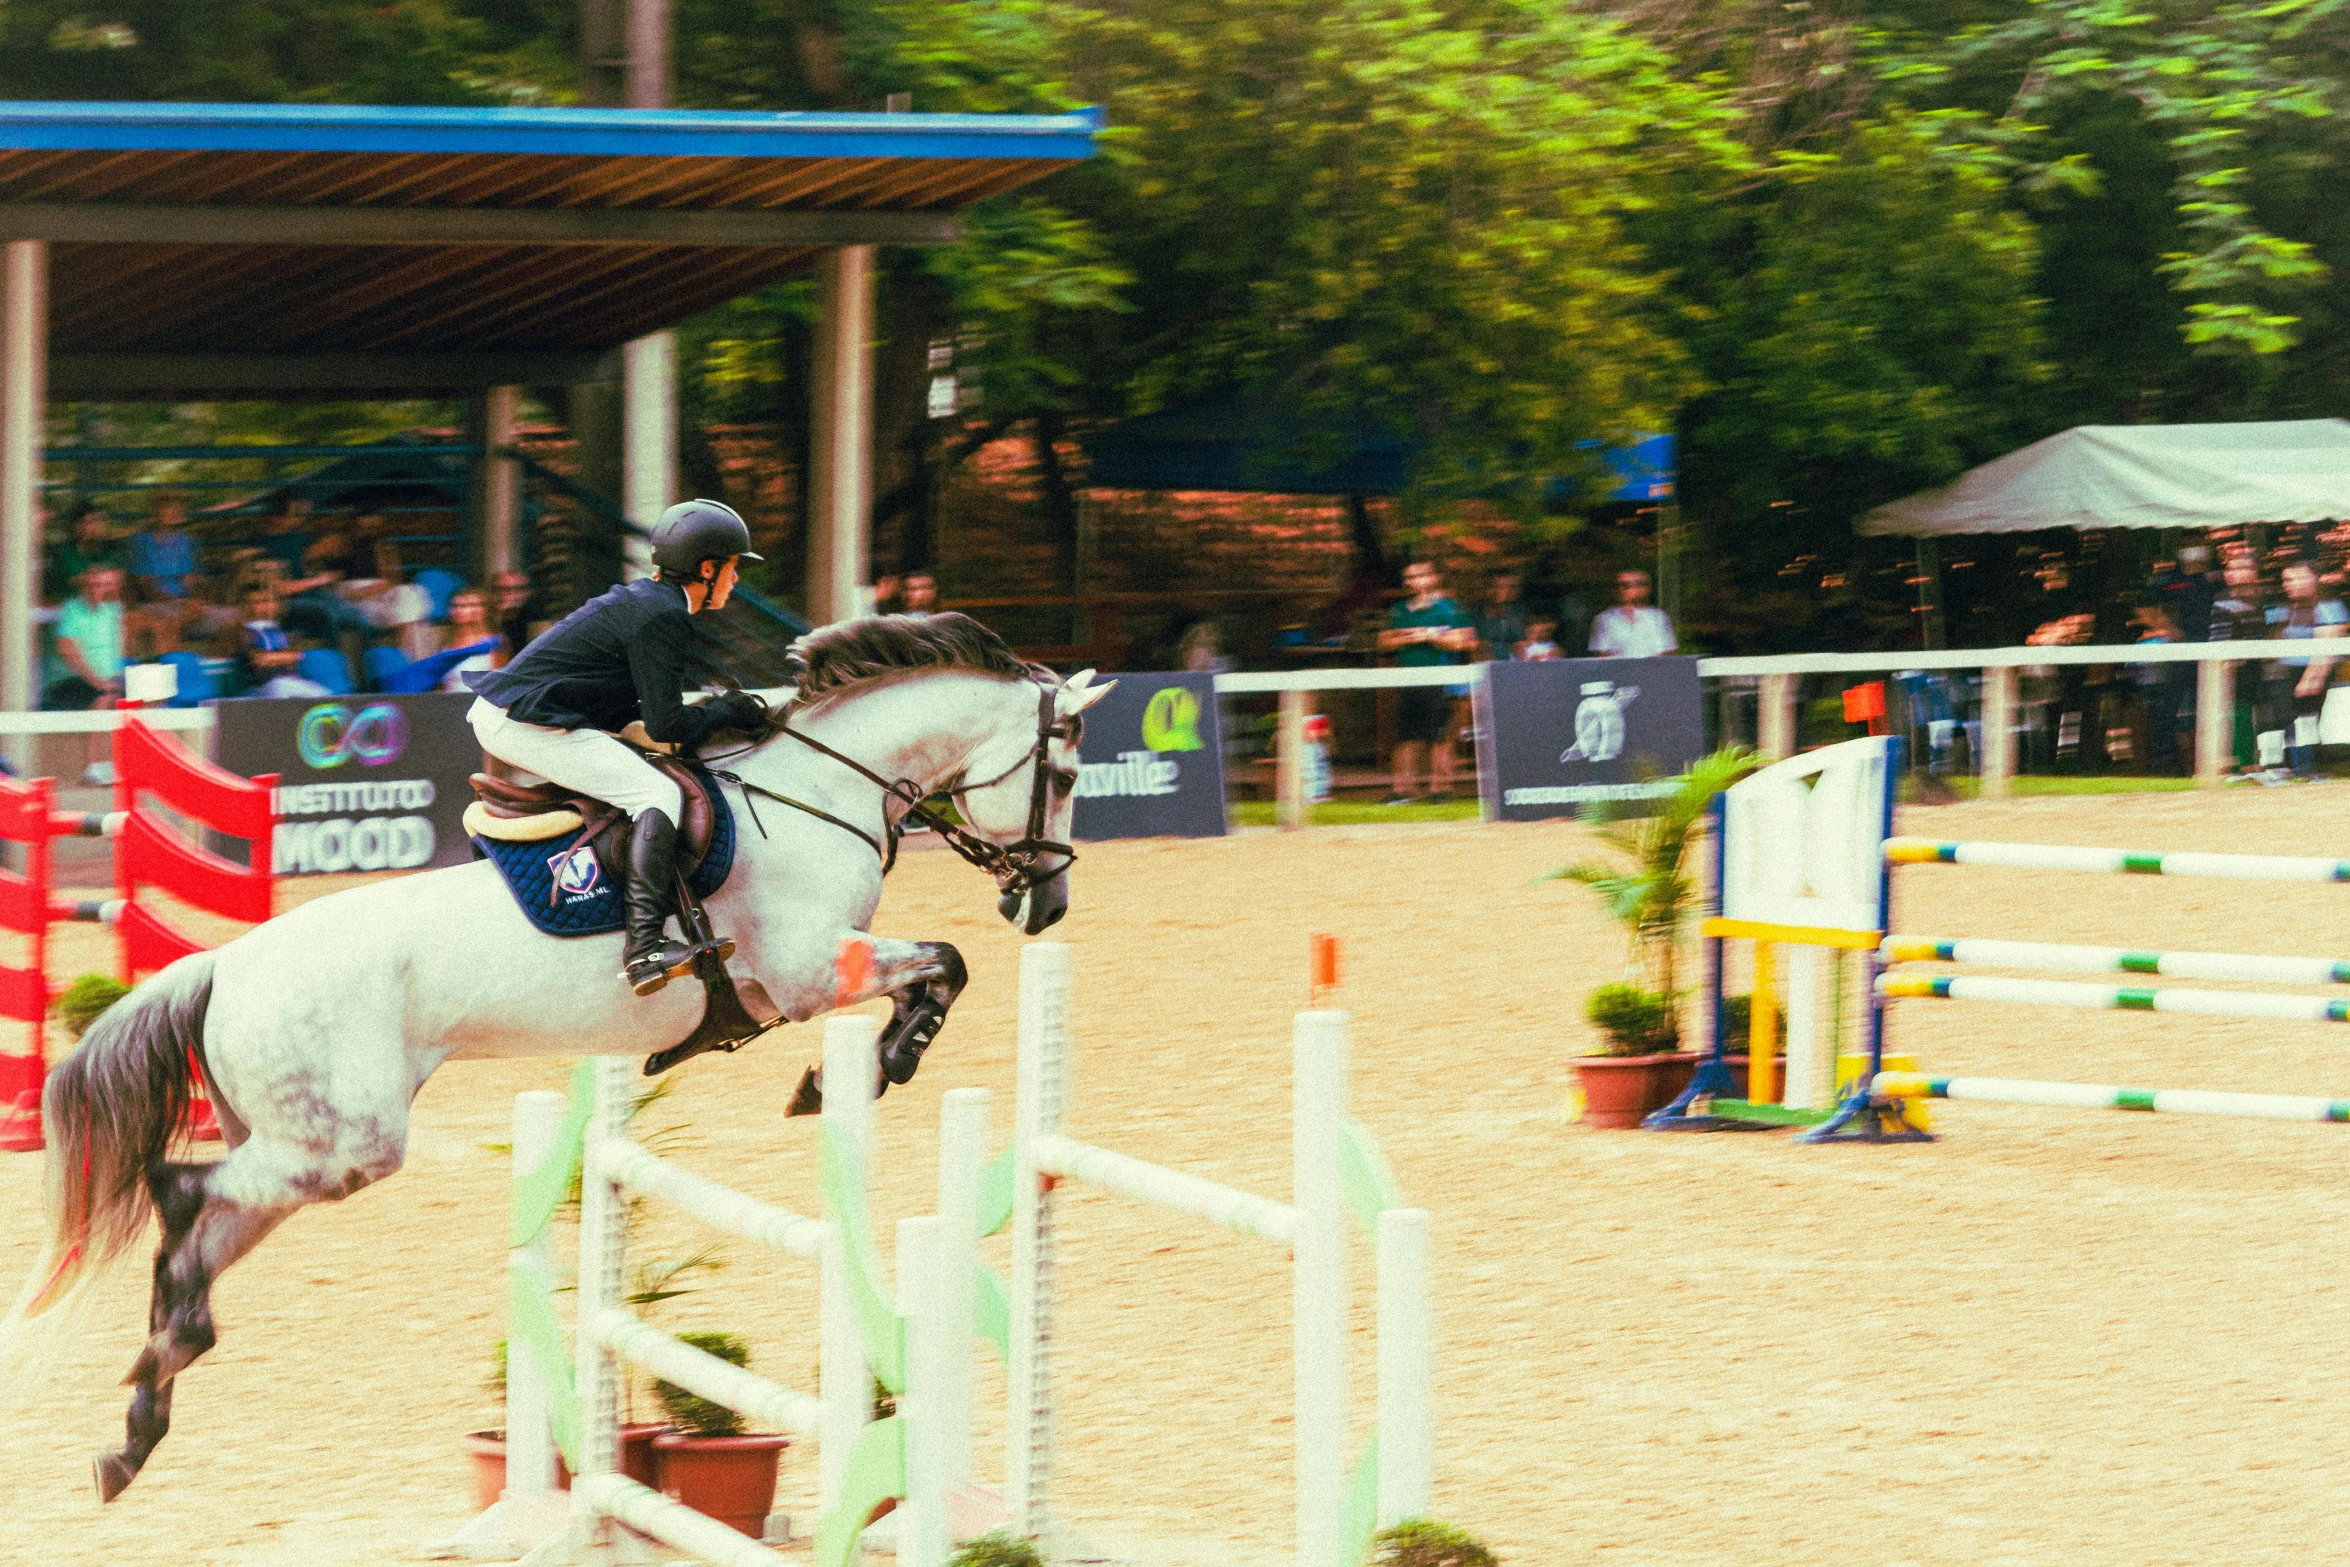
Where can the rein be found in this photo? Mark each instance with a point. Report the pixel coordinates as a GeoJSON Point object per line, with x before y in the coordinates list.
{"type": "Point", "coordinates": [1015, 868]}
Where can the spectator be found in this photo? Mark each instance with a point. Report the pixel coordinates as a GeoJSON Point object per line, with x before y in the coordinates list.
{"type": "Point", "coordinates": [1200, 649]}
{"type": "Point", "coordinates": [511, 611]}
{"type": "Point", "coordinates": [469, 623]}
{"type": "Point", "coordinates": [2297, 686]}
{"type": "Point", "coordinates": [314, 606]}
{"type": "Point", "coordinates": [2188, 591]}
{"type": "Point", "coordinates": [1632, 627]}
{"type": "Point", "coordinates": [86, 657]}
{"type": "Point", "coordinates": [163, 557]}
{"type": "Point", "coordinates": [1501, 619]}
{"type": "Point", "coordinates": [287, 541]}
{"type": "Point", "coordinates": [2240, 613]}
{"type": "Point", "coordinates": [921, 594]}
{"type": "Point", "coordinates": [1540, 643]}
{"type": "Point", "coordinates": [89, 541]}
{"type": "Point", "coordinates": [267, 661]}
{"type": "Point", "coordinates": [1426, 630]}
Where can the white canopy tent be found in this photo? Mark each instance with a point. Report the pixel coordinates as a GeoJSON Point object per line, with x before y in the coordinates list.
{"type": "Point", "coordinates": [2142, 476]}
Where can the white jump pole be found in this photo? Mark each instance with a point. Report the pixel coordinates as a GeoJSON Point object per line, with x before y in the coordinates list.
{"type": "Point", "coordinates": [963, 1115]}
{"type": "Point", "coordinates": [530, 1437]}
{"type": "Point", "coordinates": [603, 1231]}
{"type": "Point", "coordinates": [529, 1509]}
{"type": "Point", "coordinates": [844, 1374]}
{"type": "Point", "coordinates": [1041, 1098]}
{"type": "Point", "coordinates": [1318, 1287]}
{"type": "Point", "coordinates": [1407, 1414]}
{"type": "Point", "coordinates": [922, 1515]}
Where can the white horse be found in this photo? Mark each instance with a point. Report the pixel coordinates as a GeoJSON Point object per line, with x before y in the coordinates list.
{"type": "Point", "coordinates": [313, 1086]}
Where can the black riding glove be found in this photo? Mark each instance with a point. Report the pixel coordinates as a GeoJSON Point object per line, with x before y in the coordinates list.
{"type": "Point", "coordinates": [737, 710]}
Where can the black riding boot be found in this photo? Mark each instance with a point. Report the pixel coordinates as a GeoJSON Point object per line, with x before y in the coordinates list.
{"type": "Point", "coordinates": [651, 959]}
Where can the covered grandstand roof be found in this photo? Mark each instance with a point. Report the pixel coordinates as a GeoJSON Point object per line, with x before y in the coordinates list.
{"type": "Point", "coordinates": [258, 247]}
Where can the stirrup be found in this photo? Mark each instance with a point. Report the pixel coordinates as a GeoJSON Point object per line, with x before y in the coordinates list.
{"type": "Point", "coordinates": [649, 971]}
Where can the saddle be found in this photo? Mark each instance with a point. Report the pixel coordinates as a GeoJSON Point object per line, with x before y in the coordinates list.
{"type": "Point", "coordinates": [530, 813]}
{"type": "Point", "coordinates": [527, 813]}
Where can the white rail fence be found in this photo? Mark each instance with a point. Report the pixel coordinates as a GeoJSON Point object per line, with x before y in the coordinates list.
{"type": "Point", "coordinates": [1333, 1168]}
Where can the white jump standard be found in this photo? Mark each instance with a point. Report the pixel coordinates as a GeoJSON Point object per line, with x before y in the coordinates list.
{"type": "Point", "coordinates": [1805, 860]}
{"type": "Point", "coordinates": [1334, 1169]}
{"type": "Point", "coordinates": [917, 1344]}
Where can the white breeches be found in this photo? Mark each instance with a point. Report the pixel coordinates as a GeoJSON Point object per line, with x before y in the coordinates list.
{"type": "Point", "coordinates": [588, 760]}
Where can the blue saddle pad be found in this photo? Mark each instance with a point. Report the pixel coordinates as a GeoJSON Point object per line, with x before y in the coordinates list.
{"type": "Point", "coordinates": [563, 890]}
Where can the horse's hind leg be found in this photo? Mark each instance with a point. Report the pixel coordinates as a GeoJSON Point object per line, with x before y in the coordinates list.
{"type": "Point", "coordinates": [178, 1190]}
{"type": "Point", "coordinates": [212, 1214]}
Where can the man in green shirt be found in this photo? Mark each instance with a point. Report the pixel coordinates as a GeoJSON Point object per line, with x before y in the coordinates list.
{"type": "Point", "coordinates": [84, 667]}
{"type": "Point", "coordinates": [1425, 630]}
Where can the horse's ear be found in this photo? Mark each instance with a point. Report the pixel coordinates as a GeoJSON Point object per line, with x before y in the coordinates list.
{"type": "Point", "coordinates": [1079, 692]}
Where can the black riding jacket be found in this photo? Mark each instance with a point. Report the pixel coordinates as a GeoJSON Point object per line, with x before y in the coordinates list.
{"type": "Point", "coordinates": [620, 656]}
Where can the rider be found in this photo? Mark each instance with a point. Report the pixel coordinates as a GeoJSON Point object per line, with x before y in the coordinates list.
{"type": "Point", "coordinates": [557, 707]}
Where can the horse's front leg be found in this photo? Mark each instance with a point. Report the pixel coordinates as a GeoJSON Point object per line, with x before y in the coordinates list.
{"type": "Point", "coordinates": [922, 980]}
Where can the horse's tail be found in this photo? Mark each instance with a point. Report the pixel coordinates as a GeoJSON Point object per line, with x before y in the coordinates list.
{"type": "Point", "coordinates": [109, 1112]}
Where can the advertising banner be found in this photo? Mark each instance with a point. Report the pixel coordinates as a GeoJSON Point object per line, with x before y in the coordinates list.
{"type": "Point", "coordinates": [1560, 734]}
{"type": "Point", "coordinates": [366, 783]}
{"type": "Point", "coordinates": [1152, 760]}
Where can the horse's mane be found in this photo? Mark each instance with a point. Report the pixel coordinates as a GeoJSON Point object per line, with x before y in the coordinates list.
{"type": "Point", "coordinates": [833, 659]}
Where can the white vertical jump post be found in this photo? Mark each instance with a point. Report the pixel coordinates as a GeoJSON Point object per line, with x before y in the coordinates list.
{"type": "Point", "coordinates": [866, 1334]}
{"type": "Point", "coordinates": [1334, 1168]}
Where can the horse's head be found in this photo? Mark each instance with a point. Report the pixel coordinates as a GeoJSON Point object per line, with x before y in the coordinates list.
{"type": "Point", "coordinates": [1020, 790]}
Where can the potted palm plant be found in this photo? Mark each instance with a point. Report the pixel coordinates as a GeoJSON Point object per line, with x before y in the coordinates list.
{"type": "Point", "coordinates": [707, 1460]}
{"type": "Point", "coordinates": [1640, 1064]}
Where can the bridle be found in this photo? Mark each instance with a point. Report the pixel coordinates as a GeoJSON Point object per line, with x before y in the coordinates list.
{"type": "Point", "coordinates": [1019, 867]}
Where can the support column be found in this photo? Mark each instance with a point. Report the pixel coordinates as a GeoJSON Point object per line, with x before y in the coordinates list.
{"type": "Point", "coordinates": [840, 448]}
{"type": "Point", "coordinates": [501, 483]}
{"type": "Point", "coordinates": [1774, 719]}
{"type": "Point", "coordinates": [1998, 732]}
{"type": "Point", "coordinates": [648, 439]}
{"type": "Point", "coordinates": [24, 378]}
{"type": "Point", "coordinates": [2215, 722]}
{"type": "Point", "coordinates": [1291, 808]}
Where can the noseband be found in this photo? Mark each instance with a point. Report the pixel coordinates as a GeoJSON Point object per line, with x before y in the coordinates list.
{"type": "Point", "coordinates": [1017, 868]}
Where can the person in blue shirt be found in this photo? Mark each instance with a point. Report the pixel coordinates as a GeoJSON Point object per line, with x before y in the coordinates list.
{"type": "Point", "coordinates": [163, 557]}
{"type": "Point", "coordinates": [2297, 686]}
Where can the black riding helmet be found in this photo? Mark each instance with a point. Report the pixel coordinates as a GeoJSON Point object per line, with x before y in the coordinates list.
{"type": "Point", "coordinates": [691, 532]}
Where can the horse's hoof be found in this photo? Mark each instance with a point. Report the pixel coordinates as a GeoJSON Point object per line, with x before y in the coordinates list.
{"type": "Point", "coordinates": [808, 1098]}
{"type": "Point", "coordinates": [115, 1473]}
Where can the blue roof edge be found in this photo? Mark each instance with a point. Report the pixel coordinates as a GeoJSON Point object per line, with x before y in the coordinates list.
{"type": "Point", "coordinates": [661, 133]}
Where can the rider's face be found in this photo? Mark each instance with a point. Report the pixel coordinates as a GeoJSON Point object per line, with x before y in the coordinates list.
{"type": "Point", "coordinates": [722, 584]}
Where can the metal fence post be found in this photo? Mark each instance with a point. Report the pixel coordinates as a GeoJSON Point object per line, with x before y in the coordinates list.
{"type": "Point", "coordinates": [2215, 721]}
{"type": "Point", "coordinates": [1999, 705]}
{"type": "Point", "coordinates": [1291, 808]}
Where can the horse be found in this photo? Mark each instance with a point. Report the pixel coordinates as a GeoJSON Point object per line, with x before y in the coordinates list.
{"type": "Point", "coordinates": [313, 1088]}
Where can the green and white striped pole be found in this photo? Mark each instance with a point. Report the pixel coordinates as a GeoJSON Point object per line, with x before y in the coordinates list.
{"type": "Point", "coordinates": [2058, 857]}
{"type": "Point", "coordinates": [2114, 998]}
{"type": "Point", "coordinates": [2116, 960]}
{"type": "Point", "coordinates": [1889, 1086]}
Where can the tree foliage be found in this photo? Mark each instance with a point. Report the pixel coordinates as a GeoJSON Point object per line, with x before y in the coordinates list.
{"type": "Point", "coordinates": [1845, 247]}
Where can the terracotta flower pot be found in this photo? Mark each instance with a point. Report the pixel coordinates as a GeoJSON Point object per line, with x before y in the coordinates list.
{"type": "Point", "coordinates": [488, 1451]}
{"type": "Point", "coordinates": [729, 1478]}
{"type": "Point", "coordinates": [1619, 1090]}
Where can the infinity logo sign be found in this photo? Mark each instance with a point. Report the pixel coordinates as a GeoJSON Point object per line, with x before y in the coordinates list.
{"type": "Point", "coordinates": [330, 734]}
